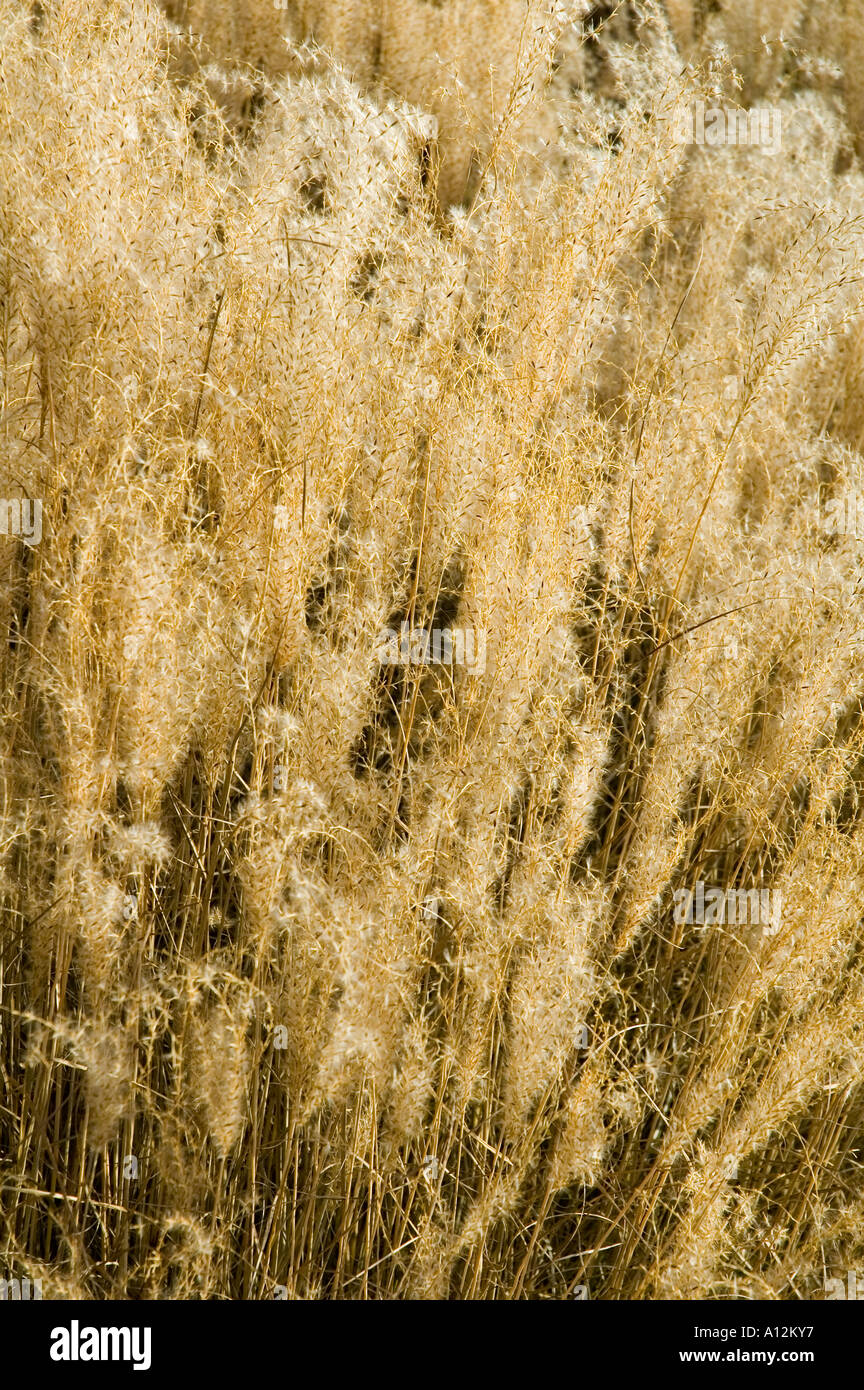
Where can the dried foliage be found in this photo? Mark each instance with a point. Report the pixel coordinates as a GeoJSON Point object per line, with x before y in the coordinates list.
{"type": "Point", "coordinates": [331, 979]}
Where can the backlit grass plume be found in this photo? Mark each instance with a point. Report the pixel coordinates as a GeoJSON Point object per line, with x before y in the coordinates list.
{"type": "Point", "coordinates": [446, 423]}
